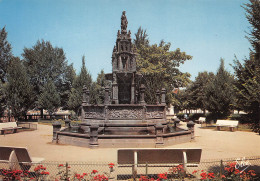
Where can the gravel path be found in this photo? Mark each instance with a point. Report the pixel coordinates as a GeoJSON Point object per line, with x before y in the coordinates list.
{"type": "Point", "coordinates": [214, 144]}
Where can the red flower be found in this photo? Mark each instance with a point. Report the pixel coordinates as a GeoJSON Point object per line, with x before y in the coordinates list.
{"type": "Point", "coordinates": [162, 176]}
{"type": "Point", "coordinates": [211, 175]}
{"type": "Point", "coordinates": [203, 176]}
{"type": "Point", "coordinates": [94, 171]}
{"type": "Point", "coordinates": [195, 171]}
{"type": "Point", "coordinates": [60, 165]}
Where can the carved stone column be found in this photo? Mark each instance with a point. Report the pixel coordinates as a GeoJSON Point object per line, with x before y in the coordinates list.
{"type": "Point", "coordinates": [159, 135]}
{"type": "Point", "coordinates": [133, 90]}
{"type": "Point", "coordinates": [163, 96]}
{"type": "Point", "coordinates": [158, 97]}
{"type": "Point", "coordinates": [56, 127]}
{"type": "Point", "coordinates": [67, 122]}
{"type": "Point", "coordinates": [142, 90]}
{"type": "Point", "coordinates": [190, 126]}
{"type": "Point", "coordinates": [107, 101]}
{"type": "Point", "coordinates": [84, 98]}
{"type": "Point", "coordinates": [115, 90]}
{"type": "Point", "coordinates": [136, 97]}
{"type": "Point", "coordinates": [93, 142]}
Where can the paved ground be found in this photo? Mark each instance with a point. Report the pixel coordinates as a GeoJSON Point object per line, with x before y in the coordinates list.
{"type": "Point", "coordinates": [215, 145]}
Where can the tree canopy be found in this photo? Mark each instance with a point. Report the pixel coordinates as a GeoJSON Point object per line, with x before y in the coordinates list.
{"type": "Point", "coordinates": [5, 54]}
{"type": "Point", "coordinates": [220, 92]}
{"type": "Point", "coordinates": [45, 63]}
{"type": "Point", "coordinates": [247, 74]}
{"type": "Point", "coordinates": [83, 79]}
{"type": "Point", "coordinates": [18, 88]}
{"type": "Point", "coordinates": [159, 67]}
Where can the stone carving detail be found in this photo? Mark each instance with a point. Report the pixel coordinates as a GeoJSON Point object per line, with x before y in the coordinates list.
{"type": "Point", "coordinates": [94, 112]}
{"type": "Point", "coordinates": [125, 113]}
{"type": "Point", "coordinates": [154, 113]}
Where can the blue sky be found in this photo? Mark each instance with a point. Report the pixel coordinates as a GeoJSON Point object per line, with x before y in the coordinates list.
{"type": "Point", "coordinates": [205, 29]}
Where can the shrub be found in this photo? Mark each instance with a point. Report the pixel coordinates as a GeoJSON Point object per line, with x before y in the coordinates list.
{"type": "Point", "coordinates": [195, 116]}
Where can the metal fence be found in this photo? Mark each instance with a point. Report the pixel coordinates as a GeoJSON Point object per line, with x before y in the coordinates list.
{"type": "Point", "coordinates": [234, 169]}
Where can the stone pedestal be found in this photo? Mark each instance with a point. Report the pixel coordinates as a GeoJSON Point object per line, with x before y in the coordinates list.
{"type": "Point", "coordinates": [56, 127]}
{"type": "Point", "coordinates": [107, 100]}
{"type": "Point", "coordinates": [163, 101]}
{"type": "Point", "coordinates": [159, 134]}
{"type": "Point", "coordinates": [67, 123]}
{"type": "Point", "coordinates": [176, 122]}
{"type": "Point", "coordinates": [190, 126]}
{"type": "Point", "coordinates": [93, 142]}
{"type": "Point", "coordinates": [158, 97]}
{"type": "Point", "coordinates": [142, 90]}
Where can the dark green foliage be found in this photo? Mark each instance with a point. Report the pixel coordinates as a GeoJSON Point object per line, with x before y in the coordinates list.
{"type": "Point", "coordinates": [242, 118]}
{"type": "Point", "coordinates": [49, 99]}
{"type": "Point", "coordinates": [65, 85]}
{"type": "Point", "coordinates": [253, 16]}
{"type": "Point", "coordinates": [83, 79]}
{"type": "Point", "coordinates": [220, 93]}
{"type": "Point", "coordinates": [5, 57]}
{"type": "Point", "coordinates": [2, 98]}
{"type": "Point", "coordinates": [247, 74]}
{"type": "Point", "coordinates": [44, 63]}
{"type": "Point", "coordinates": [195, 116]}
{"type": "Point", "coordinates": [18, 89]}
{"type": "Point", "coordinates": [159, 67]}
{"type": "Point", "coordinates": [196, 91]}
{"type": "Point", "coordinates": [99, 88]}
{"type": "Point", "coordinates": [5, 54]}
{"type": "Point", "coordinates": [141, 38]}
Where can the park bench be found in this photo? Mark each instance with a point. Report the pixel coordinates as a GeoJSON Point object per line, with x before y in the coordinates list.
{"type": "Point", "coordinates": [17, 157]}
{"type": "Point", "coordinates": [201, 120]}
{"type": "Point", "coordinates": [9, 126]}
{"type": "Point", "coordinates": [159, 157]}
{"type": "Point", "coordinates": [226, 123]}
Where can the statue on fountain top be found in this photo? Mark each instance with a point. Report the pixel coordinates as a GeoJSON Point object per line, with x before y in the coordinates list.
{"type": "Point", "coordinates": [124, 23]}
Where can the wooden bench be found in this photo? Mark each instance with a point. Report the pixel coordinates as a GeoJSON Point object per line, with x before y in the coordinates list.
{"type": "Point", "coordinates": [201, 120]}
{"type": "Point", "coordinates": [188, 157]}
{"type": "Point", "coordinates": [9, 126]}
{"type": "Point", "coordinates": [226, 123]}
{"type": "Point", "coordinates": [17, 157]}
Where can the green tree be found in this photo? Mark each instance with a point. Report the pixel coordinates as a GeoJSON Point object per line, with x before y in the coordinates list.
{"type": "Point", "coordinates": [5, 57]}
{"type": "Point", "coordinates": [44, 63]}
{"type": "Point", "coordinates": [65, 85]}
{"type": "Point", "coordinates": [83, 79]}
{"type": "Point", "coordinates": [253, 16]}
{"type": "Point", "coordinates": [100, 85]}
{"type": "Point", "coordinates": [18, 88]}
{"type": "Point", "coordinates": [220, 92]}
{"type": "Point", "coordinates": [248, 73]}
{"type": "Point", "coordinates": [159, 68]}
{"type": "Point", "coordinates": [49, 99]}
{"type": "Point", "coordinates": [2, 98]}
{"type": "Point", "coordinates": [141, 38]}
{"type": "Point", "coordinates": [197, 90]}
{"type": "Point", "coordinates": [5, 54]}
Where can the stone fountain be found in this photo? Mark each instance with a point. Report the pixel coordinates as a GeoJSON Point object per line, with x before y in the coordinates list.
{"type": "Point", "coordinates": [124, 120]}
